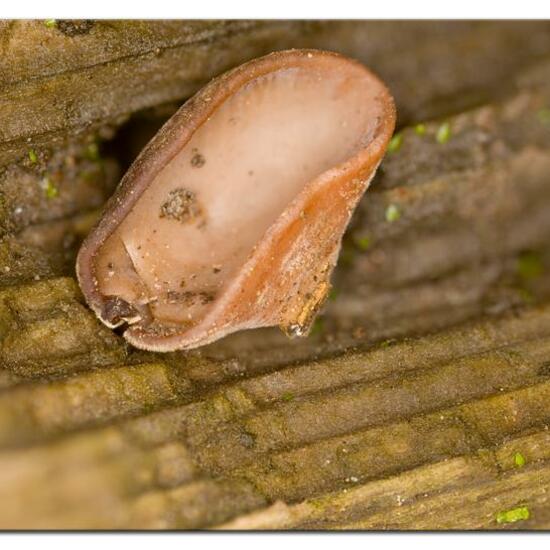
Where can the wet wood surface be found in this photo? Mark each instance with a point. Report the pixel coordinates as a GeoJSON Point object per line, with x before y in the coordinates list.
{"type": "Point", "coordinates": [420, 400]}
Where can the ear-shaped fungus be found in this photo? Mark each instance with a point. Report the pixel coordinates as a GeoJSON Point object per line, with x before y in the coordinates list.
{"type": "Point", "coordinates": [232, 216]}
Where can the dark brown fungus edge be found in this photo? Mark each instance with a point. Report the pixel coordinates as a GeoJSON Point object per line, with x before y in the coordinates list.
{"type": "Point", "coordinates": [331, 196]}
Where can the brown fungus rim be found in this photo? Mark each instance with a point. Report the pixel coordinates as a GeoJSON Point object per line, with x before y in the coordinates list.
{"type": "Point", "coordinates": [177, 132]}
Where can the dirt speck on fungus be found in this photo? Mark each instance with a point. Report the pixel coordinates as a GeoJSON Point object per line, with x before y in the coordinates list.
{"type": "Point", "coordinates": [197, 160]}
{"type": "Point", "coordinates": [189, 298]}
{"type": "Point", "coordinates": [181, 205]}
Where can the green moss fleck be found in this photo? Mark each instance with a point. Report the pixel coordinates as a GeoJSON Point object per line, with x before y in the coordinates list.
{"type": "Point", "coordinates": [544, 116]}
{"type": "Point", "coordinates": [519, 460]}
{"type": "Point", "coordinates": [318, 326]}
{"type": "Point", "coordinates": [49, 188]}
{"type": "Point", "coordinates": [92, 152]}
{"type": "Point", "coordinates": [287, 396]}
{"type": "Point", "coordinates": [395, 143]}
{"type": "Point", "coordinates": [89, 175]}
{"type": "Point", "coordinates": [529, 265]}
{"type": "Point", "coordinates": [392, 213]}
{"type": "Point", "coordinates": [515, 514]}
{"type": "Point", "coordinates": [363, 243]}
{"type": "Point", "coordinates": [332, 294]}
{"type": "Point", "coordinates": [420, 129]}
{"type": "Point", "coordinates": [443, 134]}
{"type": "Point", "coordinates": [388, 342]}
{"type": "Point", "coordinates": [50, 23]}
{"type": "Point", "coordinates": [32, 156]}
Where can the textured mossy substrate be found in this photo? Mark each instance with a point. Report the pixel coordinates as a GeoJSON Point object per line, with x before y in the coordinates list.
{"type": "Point", "coordinates": [424, 379]}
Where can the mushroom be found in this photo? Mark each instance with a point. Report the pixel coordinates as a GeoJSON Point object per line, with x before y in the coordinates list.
{"type": "Point", "coordinates": [232, 216]}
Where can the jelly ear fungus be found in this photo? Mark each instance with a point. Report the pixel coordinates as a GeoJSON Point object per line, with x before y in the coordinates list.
{"type": "Point", "coordinates": [232, 216]}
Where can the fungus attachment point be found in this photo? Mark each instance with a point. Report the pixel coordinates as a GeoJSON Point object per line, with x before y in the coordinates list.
{"type": "Point", "coordinates": [232, 216]}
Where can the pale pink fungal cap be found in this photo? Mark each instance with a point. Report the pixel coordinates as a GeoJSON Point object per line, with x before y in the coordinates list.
{"type": "Point", "coordinates": [232, 217]}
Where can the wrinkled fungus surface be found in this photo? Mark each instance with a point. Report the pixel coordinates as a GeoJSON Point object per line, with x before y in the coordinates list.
{"type": "Point", "coordinates": [233, 214]}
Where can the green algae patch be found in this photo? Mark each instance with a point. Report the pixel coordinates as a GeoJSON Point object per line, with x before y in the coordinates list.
{"type": "Point", "coordinates": [543, 116]}
{"type": "Point", "coordinates": [387, 343]}
{"type": "Point", "coordinates": [392, 213]}
{"type": "Point", "coordinates": [332, 294]}
{"type": "Point", "coordinates": [50, 23]}
{"type": "Point", "coordinates": [515, 514]}
{"type": "Point", "coordinates": [519, 460]}
{"type": "Point", "coordinates": [420, 129]}
{"type": "Point", "coordinates": [363, 243]}
{"type": "Point", "coordinates": [529, 265]}
{"type": "Point", "coordinates": [49, 187]}
{"type": "Point", "coordinates": [92, 152]}
{"type": "Point", "coordinates": [395, 143]}
{"type": "Point", "coordinates": [287, 396]}
{"type": "Point", "coordinates": [317, 328]}
{"type": "Point", "coordinates": [33, 157]}
{"type": "Point", "coordinates": [444, 133]}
